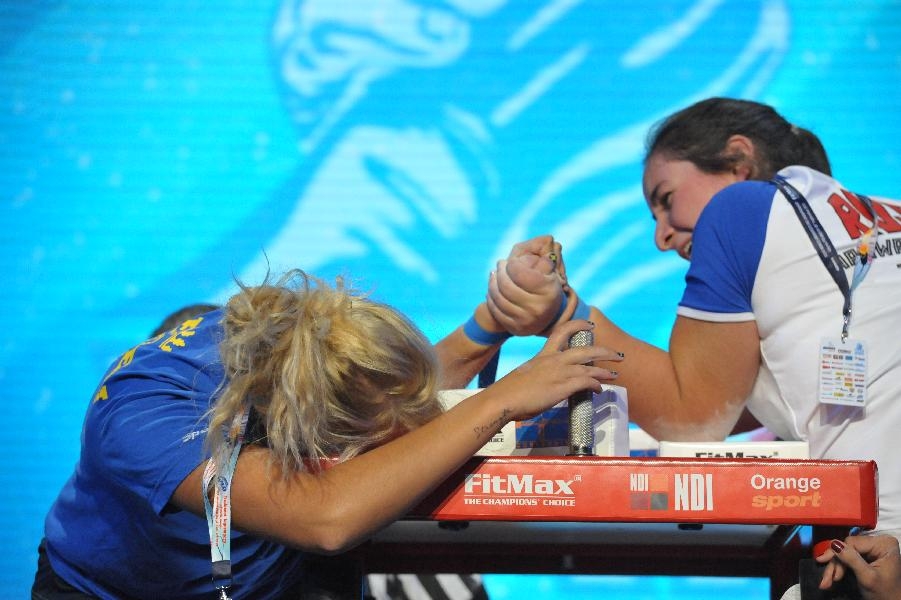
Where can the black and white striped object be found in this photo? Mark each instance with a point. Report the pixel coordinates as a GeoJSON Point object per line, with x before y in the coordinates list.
{"type": "Point", "coordinates": [442, 586]}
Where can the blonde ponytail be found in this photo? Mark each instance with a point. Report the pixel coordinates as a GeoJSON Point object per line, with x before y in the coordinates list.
{"type": "Point", "coordinates": [330, 372]}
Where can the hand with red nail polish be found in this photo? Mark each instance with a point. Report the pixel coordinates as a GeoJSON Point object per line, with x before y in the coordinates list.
{"type": "Point", "coordinates": [874, 559]}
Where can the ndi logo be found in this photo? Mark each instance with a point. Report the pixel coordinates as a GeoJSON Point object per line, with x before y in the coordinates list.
{"type": "Point", "coordinates": [648, 491]}
{"type": "Point", "coordinates": [639, 482]}
{"type": "Point", "coordinates": [693, 491]}
{"type": "Point", "coordinates": [690, 491]}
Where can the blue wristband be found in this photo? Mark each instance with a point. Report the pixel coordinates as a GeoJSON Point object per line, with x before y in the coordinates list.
{"type": "Point", "coordinates": [583, 311]}
{"type": "Point", "coordinates": [482, 336]}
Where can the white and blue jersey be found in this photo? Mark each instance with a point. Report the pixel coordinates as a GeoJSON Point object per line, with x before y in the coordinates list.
{"type": "Point", "coordinates": [753, 260]}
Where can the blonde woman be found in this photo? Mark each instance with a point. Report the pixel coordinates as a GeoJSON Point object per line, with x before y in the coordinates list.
{"type": "Point", "coordinates": [200, 470]}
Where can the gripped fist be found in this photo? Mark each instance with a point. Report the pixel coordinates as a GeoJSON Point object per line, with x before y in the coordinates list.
{"type": "Point", "coordinates": [526, 291]}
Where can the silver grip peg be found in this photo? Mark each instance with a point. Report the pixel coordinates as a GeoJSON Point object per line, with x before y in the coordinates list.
{"type": "Point", "coordinates": [581, 410]}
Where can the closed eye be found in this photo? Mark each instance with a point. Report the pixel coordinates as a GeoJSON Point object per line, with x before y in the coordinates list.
{"type": "Point", "coordinates": [666, 201]}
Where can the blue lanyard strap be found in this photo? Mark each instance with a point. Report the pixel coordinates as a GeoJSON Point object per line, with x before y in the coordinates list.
{"type": "Point", "coordinates": [221, 468]}
{"type": "Point", "coordinates": [826, 249]}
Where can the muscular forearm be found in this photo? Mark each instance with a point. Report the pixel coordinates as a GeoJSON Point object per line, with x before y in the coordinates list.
{"type": "Point", "coordinates": [697, 390]}
{"type": "Point", "coordinates": [649, 395]}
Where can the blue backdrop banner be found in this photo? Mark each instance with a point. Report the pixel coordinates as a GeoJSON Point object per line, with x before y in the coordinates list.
{"type": "Point", "coordinates": [152, 152]}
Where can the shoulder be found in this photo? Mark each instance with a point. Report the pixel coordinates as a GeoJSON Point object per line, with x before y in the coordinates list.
{"type": "Point", "coordinates": [739, 202]}
{"type": "Point", "coordinates": [809, 182]}
{"type": "Point", "coordinates": [727, 244]}
{"type": "Point", "coordinates": [157, 392]}
{"type": "Point", "coordinates": [736, 219]}
{"type": "Point", "coordinates": [184, 357]}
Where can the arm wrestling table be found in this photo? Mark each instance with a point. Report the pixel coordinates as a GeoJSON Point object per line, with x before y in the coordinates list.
{"type": "Point", "coordinates": [610, 515]}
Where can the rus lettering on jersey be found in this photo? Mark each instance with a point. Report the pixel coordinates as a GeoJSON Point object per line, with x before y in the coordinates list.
{"type": "Point", "coordinates": [124, 361]}
{"type": "Point", "coordinates": [856, 217]}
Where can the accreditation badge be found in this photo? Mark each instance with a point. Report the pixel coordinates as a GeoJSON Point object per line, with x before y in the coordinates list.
{"type": "Point", "coordinates": [843, 372]}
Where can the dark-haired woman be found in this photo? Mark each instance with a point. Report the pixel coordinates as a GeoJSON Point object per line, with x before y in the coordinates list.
{"type": "Point", "coordinates": [790, 306]}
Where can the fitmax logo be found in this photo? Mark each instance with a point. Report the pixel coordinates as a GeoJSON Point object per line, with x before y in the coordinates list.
{"type": "Point", "coordinates": [739, 454]}
{"type": "Point", "coordinates": [479, 483]}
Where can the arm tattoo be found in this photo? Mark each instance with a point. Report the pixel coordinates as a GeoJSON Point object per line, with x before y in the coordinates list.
{"type": "Point", "coordinates": [494, 425]}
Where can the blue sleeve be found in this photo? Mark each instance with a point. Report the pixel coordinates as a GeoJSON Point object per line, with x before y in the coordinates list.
{"type": "Point", "coordinates": [726, 248]}
{"type": "Point", "coordinates": [149, 433]}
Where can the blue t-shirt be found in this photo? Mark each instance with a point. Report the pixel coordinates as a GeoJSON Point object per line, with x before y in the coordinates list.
{"type": "Point", "coordinates": [111, 531]}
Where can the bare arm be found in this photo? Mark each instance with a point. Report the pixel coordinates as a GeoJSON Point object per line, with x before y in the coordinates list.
{"type": "Point", "coordinates": [698, 389]}
{"type": "Point", "coordinates": [345, 504]}
{"type": "Point", "coordinates": [461, 358]}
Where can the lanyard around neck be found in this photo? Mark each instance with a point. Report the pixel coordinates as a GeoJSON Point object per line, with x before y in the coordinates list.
{"type": "Point", "coordinates": [221, 468]}
{"type": "Point", "coordinates": [826, 249]}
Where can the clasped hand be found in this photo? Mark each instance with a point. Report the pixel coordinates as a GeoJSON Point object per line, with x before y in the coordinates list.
{"type": "Point", "coordinates": [527, 290]}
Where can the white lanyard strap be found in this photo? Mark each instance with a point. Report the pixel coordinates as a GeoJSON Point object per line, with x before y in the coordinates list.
{"type": "Point", "coordinates": [218, 513]}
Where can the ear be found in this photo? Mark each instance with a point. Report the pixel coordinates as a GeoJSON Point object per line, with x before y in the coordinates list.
{"type": "Point", "coordinates": [742, 149]}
